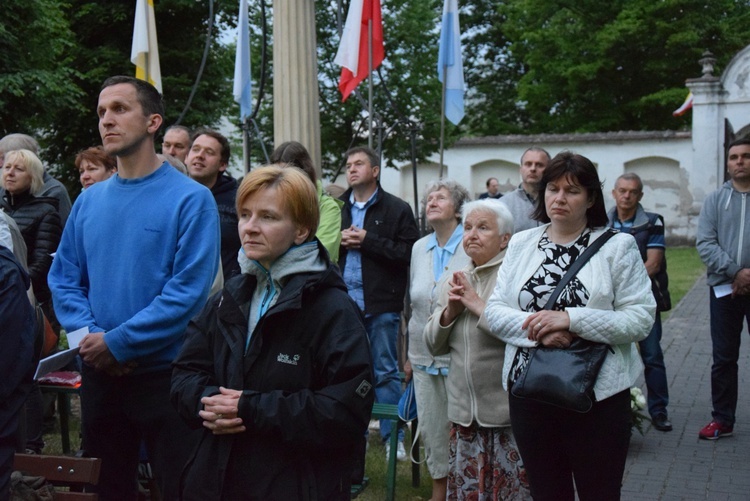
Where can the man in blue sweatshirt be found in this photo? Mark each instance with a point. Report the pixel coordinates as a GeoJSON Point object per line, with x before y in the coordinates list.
{"type": "Point", "coordinates": [136, 262]}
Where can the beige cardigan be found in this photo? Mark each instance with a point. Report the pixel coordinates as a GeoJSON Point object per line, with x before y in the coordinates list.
{"type": "Point", "coordinates": [475, 391]}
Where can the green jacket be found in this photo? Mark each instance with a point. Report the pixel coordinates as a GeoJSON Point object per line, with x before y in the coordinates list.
{"type": "Point", "coordinates": [329, 228]}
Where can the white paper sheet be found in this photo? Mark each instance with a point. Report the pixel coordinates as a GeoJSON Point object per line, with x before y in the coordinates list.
{"type": "Point", "coordinates": [722, 290]}
{"type": "Point", "coordinates": [75, 337]}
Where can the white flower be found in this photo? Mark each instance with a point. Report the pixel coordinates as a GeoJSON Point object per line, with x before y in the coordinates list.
{"type": "Point", "coordinates": [637, 400]}
{"type": "Point", "coordinates": [641, 401]}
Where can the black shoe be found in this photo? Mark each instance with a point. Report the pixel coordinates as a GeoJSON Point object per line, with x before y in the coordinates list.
{"type": "Point", "coordinates": [661, 422]}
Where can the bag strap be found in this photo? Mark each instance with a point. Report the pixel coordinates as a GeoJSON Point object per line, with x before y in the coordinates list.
{"type": "Point", "coordinates": [592, 249]}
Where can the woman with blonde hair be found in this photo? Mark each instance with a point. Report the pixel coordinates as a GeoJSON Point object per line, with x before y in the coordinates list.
{"type": "Point", "coordinates": [39, 221]}
{"type": "Point", "coordinates": [36, 217]}
{"type": "Point", "coordinates": [276, 368]}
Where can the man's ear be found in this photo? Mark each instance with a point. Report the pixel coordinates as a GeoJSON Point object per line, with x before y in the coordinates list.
{"type": "Point", "coordinates": [154, 122]}
{"type": "Point", "coordinates": [376, 172]}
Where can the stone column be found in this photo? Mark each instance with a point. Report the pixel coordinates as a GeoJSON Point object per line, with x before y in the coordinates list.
{"type": "Point", "coordinates": [296, 110]}
{"type": "Point", "coordinates": [707, 172]}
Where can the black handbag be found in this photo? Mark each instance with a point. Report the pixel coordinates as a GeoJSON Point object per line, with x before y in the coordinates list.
{"type": "Point", "coordinates": [565, 377]}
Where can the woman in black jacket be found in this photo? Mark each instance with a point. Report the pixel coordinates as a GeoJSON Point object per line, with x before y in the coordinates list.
{"type": "Point", "coordinates": [276, 367]}
{"type": "Point", "coordinates": [39, 222]}
{"type": "Point", "coordinates": [37, 217]}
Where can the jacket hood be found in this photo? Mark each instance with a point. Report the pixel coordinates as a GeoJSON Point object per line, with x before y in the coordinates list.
{"type": "Point", "coordinates": [224, 183]}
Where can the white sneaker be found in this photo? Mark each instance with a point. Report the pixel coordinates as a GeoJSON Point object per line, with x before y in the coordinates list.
{"type": "Point", "coordinates": [400, 451]}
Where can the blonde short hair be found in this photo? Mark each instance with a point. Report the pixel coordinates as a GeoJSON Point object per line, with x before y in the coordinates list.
{"type": "Point", "coordinates": [29, 160]}
{"type": "Point", "coordinates": [296, 190]}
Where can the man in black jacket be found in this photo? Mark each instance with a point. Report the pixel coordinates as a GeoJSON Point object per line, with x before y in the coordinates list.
{"type": "Point", "coordinates": [378, 232]}
{"type": "Point", "coordinates": [207, 163]}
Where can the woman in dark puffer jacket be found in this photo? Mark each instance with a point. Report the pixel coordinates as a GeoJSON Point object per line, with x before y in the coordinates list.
{"type": "Point", "coordinates": [37, 217]}
{"type": "Point", "coordinates": [39, 222]}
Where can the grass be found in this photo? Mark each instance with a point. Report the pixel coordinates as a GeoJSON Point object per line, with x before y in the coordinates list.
{"type": "Point", "coordinates": [375, 470]}
{"type": "Point", "coordinates": [685, 267]}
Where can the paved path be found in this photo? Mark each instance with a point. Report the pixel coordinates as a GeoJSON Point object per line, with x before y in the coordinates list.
{"type": "Point", "coordinates": [677, 465]}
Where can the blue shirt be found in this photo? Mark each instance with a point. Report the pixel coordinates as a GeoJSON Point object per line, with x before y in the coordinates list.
{"type": "Point", "coordinates": [442, 255]}
{"type": "Point", "coordinates": [655, 239]}
{"type": "Point", "coordinates": [353, 266]}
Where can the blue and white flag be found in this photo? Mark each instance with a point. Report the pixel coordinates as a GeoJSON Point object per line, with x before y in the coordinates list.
{"type": "Point", "coordinates": [242, 84]}
{"type": "Point", "coordinates": [451, 63]}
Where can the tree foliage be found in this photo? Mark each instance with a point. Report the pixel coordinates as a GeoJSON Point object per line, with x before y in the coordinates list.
{"type": "Point", "coordinates": [55, 55]}
{"type": "Point", "coordinates": [531, 66]}
{"type": "Point", "coordinates": [618, 65]}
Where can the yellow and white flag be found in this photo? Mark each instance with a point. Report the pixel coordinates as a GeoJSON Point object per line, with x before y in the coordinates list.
{"type": "Point", "coordinates": [145, 52]}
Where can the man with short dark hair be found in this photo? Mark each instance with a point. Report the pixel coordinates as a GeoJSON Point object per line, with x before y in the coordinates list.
{"type": "Point", "coordinates": [176, 142]}
{"type": "Point", "coordinates": [648, 230]}
{"type": "Point", "coordinates": [135, 263]}
{"type": "Point", "coordinates": [723, 242]}
{"type": "Point", "coordinates": [378, 232]}
{"type": "Point", "coordinates": [493, 189]}
{"type": "Point", "coordinates": [522, 201]}
{"type": "Point", "coordinates": [207, 163]}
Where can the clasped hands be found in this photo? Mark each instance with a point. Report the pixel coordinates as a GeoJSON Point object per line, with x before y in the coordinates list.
{"type": "Point", "coordinates": [549, 328]}
{"type": "Point", "coordinates": [220, 411]}
{"type": "Point", "coordinates": [352, 237]}
{"type": "Point", "coordinates": [461, 295]}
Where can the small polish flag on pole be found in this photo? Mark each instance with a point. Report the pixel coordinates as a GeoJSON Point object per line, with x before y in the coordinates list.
{"type": "Point", "coordinates": [685, 106]}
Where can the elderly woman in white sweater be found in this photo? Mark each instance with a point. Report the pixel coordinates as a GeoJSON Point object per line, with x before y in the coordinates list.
{"type": "Point", "coordinates": [434, 257]}
{"type": "Point", "coordinates": [484, 463]}
{"type": "Point", "coordinates": [609, 301]}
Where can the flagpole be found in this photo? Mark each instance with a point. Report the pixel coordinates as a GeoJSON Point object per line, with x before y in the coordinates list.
{"type": "Point", "coordinates": [246, 145]}
{"type": "Point", "coordinates": [442, 120]}
{"type": "Point", "coordinates": [369, 62]}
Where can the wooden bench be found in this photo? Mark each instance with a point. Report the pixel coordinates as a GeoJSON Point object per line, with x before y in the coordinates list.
{"type": "Point", "coordinates": [74, 473]}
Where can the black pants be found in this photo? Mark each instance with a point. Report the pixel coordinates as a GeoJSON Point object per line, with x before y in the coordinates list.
{"type": "Point", "coordinates": [119, 413]}
{"type": "Point", "coordinates": [558, 446]}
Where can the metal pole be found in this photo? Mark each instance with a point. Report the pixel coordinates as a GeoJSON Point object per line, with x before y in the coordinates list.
{"type": "Point", "coordinates": [442, 121]}
{"type": "Point", "coordinates": [413, 134]}
{"type": "Point", "coordinates": [369, 104]}
{"type": "Point", "coordinates": [245, 146]}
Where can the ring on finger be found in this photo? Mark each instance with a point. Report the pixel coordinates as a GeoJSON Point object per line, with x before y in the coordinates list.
{"type": "Point", "coordinates": [220, 416]}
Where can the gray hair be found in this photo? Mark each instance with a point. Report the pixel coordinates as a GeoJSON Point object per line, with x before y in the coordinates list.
{"type": "Point", "coordinates": [631, 176]}
{"type": "Point", "coordinates": [538, 149]}
{"type": "Point", "coordinates": [459, 194]}
{"type": "Point", "coordinates": [19, 142]}
{"type": "Point", "coordinates": [499, 210]}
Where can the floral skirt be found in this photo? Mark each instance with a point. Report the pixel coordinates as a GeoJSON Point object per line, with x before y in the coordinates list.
{"type": "Point", "coordinates": [484, 464]}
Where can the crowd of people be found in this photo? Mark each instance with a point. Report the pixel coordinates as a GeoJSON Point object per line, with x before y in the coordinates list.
{"type": "Point", "coordinates": [240, 331]}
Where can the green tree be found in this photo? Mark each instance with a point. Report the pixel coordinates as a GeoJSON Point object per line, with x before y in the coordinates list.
{"type": "Point", "coordinates": [619, 65]}
{"type": "Point", "coordinates": [54, 57]}
{"type": "Point", "coordinates": [491, 71]}
{"type": "Point", "coordinates": [35, 73]}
